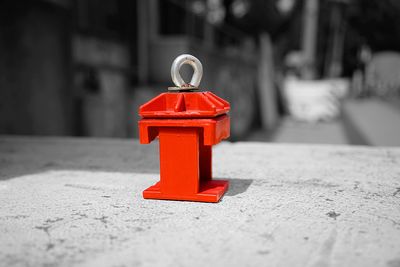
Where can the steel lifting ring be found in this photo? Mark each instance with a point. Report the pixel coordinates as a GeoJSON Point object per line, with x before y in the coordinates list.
{"type": "Point", "coordinates": [176, 76]}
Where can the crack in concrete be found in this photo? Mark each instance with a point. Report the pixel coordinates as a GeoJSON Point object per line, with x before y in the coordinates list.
{"type": "Point", "coordinates": [46, 229]}
{"type": "Point", "coordinates": [83, 186]}
{"type": "Point", "coordinates": [54, 220]}
{"type": "Point", "coordinates": [397, 191]}
{"type": "Point", "coordinates": [15, 217]}
{"type": "Point", "coordinates": [103, 219]}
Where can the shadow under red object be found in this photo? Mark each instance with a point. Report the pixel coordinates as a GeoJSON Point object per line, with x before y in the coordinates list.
{"type": "Point", "coordinates": [187, 124]}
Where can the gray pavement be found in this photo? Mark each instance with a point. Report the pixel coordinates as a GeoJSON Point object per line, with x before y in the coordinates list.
{"type": "Point", "coordinates": [292, 131]}
{"type": "Point", "coordinates": [373, 121]}
{"type": "Point", "coordinates": [77, 202]}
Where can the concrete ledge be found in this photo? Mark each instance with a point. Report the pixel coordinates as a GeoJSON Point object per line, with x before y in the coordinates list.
{"type": "Point", "coordinates": [77, 202]}
{"type": "Point", "coordinates": [372, 122]}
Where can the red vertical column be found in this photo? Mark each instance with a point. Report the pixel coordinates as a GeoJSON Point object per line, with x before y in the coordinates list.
{"type": "Point", "coordinates": [179, 161]}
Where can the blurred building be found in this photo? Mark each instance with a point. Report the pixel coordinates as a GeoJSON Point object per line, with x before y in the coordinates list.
{"type": "Point", "coordinates": [82, 68]}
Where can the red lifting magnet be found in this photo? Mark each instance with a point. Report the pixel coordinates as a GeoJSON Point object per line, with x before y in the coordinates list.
{"type": "Point", "coordinates": [188, 123]}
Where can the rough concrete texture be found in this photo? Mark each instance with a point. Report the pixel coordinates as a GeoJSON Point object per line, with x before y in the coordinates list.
{"type": "Point", "coordinates": [77, 202]}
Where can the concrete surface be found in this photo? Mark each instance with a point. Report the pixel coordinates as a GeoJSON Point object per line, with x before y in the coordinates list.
{"type": "Point", "coordinates": [77, 202]}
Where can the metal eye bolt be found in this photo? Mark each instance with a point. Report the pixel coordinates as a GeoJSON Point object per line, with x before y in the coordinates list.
{"type": "Point", "coordinates": [197, 71]}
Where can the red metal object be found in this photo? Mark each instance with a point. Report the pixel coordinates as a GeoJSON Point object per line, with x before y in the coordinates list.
{"type": "Point", "coordinates": [187, 124]}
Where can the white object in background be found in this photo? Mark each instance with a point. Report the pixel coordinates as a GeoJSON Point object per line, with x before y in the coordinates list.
{"type": "Point", "coordinates": [316, 100]}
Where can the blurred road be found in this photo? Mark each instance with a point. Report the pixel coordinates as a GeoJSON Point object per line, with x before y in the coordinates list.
{"type": "Point", "coordinates": [292, 131]}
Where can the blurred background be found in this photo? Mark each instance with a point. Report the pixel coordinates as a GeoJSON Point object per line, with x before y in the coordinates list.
{"type": "Point", "coordinates": [294, 71]}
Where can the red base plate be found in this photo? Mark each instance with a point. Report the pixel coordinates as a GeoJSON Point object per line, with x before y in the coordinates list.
{"type": "Point", "coordinates": [210, 191]}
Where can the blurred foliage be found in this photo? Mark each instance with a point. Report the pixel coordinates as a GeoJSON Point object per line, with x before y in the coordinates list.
{"type": "Point", "coordinates": [264, 16]}
{"type": "Point", "coordinates": [377, 22]}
